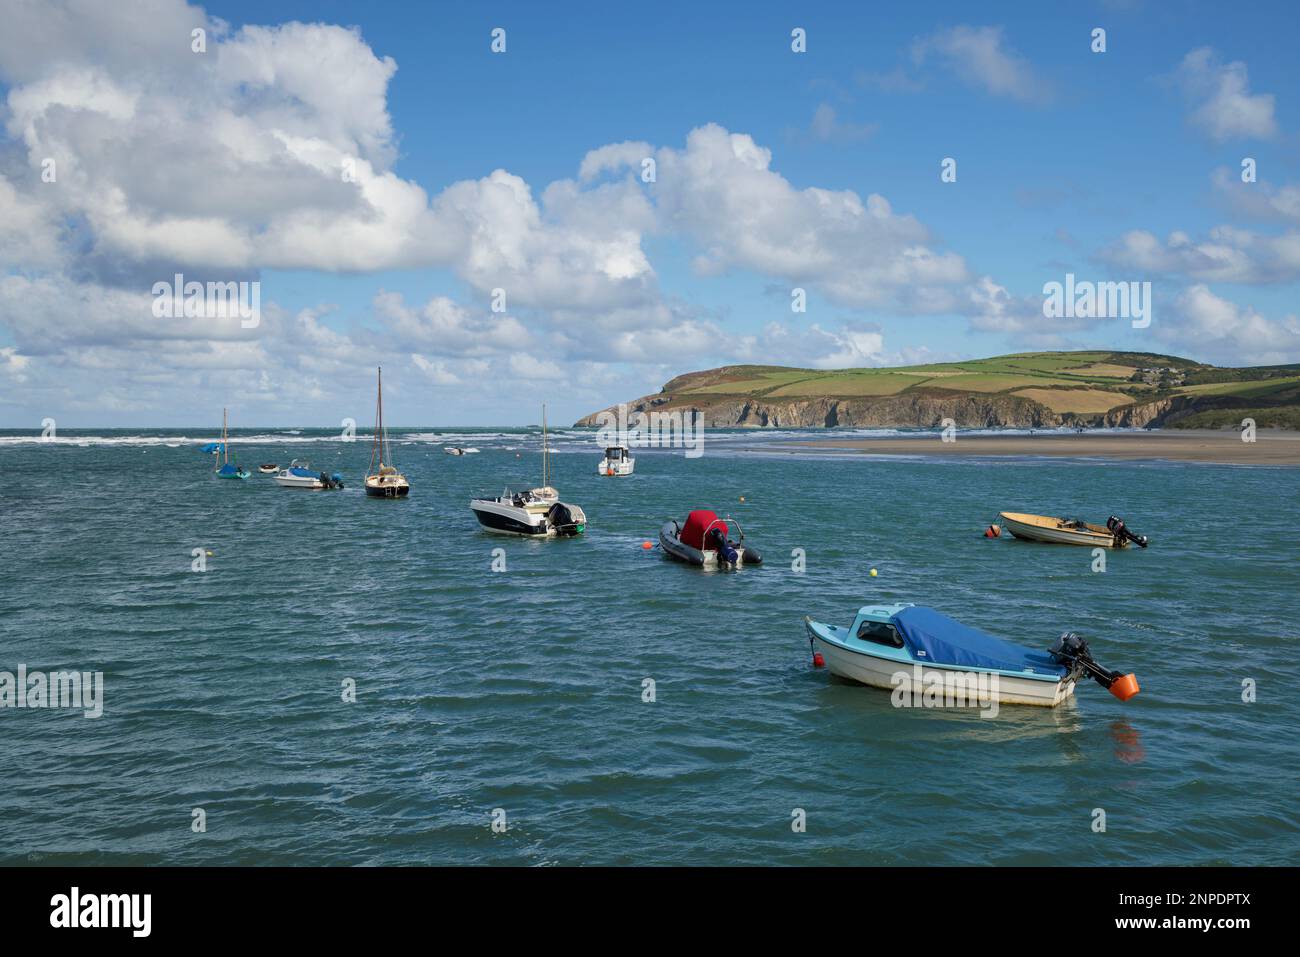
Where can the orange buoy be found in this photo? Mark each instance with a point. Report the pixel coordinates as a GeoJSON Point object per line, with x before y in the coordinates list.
{"type": "Point", "coordinates": [818, 660]}
{"type": "Point", "coordinates": [993, 531]}
{"type": "Point", "coordinates": [1124, 687]}
{"type": "Point", "coordinates": [647, 545]}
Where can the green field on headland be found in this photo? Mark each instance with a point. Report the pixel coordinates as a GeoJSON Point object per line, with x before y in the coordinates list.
{"type": "Point", "coordinates": [1033, 389]}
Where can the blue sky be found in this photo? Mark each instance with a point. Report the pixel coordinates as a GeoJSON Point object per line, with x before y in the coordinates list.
{"type": "Point", "coordinates": [1122, 165]}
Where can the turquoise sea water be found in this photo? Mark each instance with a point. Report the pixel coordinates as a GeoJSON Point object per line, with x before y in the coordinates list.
{"type": "Point", "coordinates": [522, 690]}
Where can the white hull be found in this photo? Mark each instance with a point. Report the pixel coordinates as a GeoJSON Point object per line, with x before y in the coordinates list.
{"type": "Point", "coordinates": [298, 481]}
{"type": "Point", "coordinates": [624, 467]}
{"type": "Point", "coordinates": [879, 673]}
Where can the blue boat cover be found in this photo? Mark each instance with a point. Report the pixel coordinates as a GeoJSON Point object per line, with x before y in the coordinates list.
{"type": "Point", "coordinates": [213, 447]}
{"type": "Point", "coordinates": [303, 473]}
{"type": "Point", "coordinates": [931, 636]}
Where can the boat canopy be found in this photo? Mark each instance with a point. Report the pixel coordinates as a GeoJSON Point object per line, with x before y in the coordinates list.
{"type": "Point", "coordinates": [697, 523]}
{"type": "Point", "coordinates": [933, 637]}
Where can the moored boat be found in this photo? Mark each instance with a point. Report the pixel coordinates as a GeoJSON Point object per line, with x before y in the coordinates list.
{"type": "Point", "coordinates": [704, 540]}
{"type": "Point", "coordinates": [300, 474]}
{"type": "Point", "coordinates": [268, 468]}
{"type": "Point", "coordinates": [919, 650]}
{"type": "Point", "coordinates": [227, 469]}
{"type": "Point", "coordinates": [1071, 531]}
{"type": "Point", "coordinates": [386, 482]}
{"type": "Point", "coordinates": [617, 461]}
{"type": "Point", "coordinates": [538, 512]}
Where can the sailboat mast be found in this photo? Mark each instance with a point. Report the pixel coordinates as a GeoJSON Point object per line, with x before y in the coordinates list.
{"type": "Point", "coordinates": [546, 453]}
{"type": "Point", "coordinates": [225, 446]}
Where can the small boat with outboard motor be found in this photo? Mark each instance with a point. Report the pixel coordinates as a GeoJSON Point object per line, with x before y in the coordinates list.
{"type": "Point", "coordinates": [537, 512]}
{"type": "Point", "coordinates": [1067, 531]}
{"type": "Point", "coordinates": [705, 540]}
{"type": "Point", "coordinates": [268, 468]}
{"type": "Point", "coordinates": [300, 474]}
{"type": "Point", "coordinates": [617, 461]}
{"type": "Point", "coordinates": [920, 650]}
{"type": "Point", "coordinates": [227, 469]}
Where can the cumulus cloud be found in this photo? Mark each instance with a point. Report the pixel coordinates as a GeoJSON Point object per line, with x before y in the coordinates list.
{"type": "Point", "coordinates": [1231, 332]}
{"type": "Point", "coordinates": [721, 192]}
{"type": "Point", "coordinates": [275, 150]}
{"type": "Point", "coordinates": [1221, 101]}
{"type": "Point", "coordinates": [1226, 254]}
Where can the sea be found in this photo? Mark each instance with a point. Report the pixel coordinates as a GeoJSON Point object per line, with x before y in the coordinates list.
{"type": "Point", "coordinates": [319, 678]}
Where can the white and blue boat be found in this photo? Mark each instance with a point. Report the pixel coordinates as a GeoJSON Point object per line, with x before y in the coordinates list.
{"type": "Point", "coordinates": [915, 648]}
{"type": "Point", "coordinates": [300, 474]}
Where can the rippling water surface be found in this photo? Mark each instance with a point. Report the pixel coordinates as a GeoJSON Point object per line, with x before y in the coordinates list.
{"type": "Point", "coordinates": [522, 690]}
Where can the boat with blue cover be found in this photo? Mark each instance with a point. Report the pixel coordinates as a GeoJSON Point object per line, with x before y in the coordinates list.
{"type": "Point", "coordinates": [910, 646]}
{"type": "Point", "coordinates": [300, 474]}
{"type": "Point", "coordinates": [227, 469]}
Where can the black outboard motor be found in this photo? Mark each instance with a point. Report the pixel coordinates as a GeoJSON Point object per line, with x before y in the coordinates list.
{"type": "Point", "coordinates": [1122, 534]}
{"type": "Point", "coordinates": [1072, 651]}
{"type": "Point", "coordinates": [725, 551]}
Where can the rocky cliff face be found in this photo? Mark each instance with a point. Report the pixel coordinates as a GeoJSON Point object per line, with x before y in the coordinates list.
{"type": "Point", "coordinates": [922, 411]}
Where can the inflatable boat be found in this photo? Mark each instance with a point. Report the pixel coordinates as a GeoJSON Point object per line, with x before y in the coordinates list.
{"type": "Point", "coordinates": [704, 540]}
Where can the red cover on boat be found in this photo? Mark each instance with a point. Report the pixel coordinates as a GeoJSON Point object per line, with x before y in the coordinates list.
{"type": "Point", "coordinates": [696, 523]}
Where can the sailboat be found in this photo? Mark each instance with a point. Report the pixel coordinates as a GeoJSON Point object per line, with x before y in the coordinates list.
{"type": "Point", "coordinates": [227, 469]}
{"type": "Point", "coordinates": [538, 512]}
{"type": "Point", "coordinates": [387, 482]}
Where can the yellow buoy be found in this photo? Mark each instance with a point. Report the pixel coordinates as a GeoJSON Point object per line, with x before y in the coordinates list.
{"type": "Point", "coordinates": [873, 573]}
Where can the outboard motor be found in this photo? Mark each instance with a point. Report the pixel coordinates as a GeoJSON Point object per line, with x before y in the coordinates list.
{"type": "Point", "coordinates": [1122, 534]}
{"type": "Point", "coordinates": [725, 551]}
{"type": "Point", "coordinates": [1072, 651]}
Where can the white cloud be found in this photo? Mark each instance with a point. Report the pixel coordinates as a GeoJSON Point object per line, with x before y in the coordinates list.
{"type": "Point", "coordinates": [1260, 200]}
{"type": "Point", "coordinates": [1227, 254]}
{"type": "Point", "coordinates": [722, 193]}
{"type": "Point", "coordinates": [1229, 332]}
{"type": "Point", "coordinates": [1223, 106]}
{"type": "Point", "coordinates": [981, 57]}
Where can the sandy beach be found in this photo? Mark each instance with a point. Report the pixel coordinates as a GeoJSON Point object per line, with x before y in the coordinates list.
{"type": "Point", "coordinates": [1269, 448]}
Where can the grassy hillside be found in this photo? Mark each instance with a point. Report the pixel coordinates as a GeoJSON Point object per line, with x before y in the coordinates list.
{"type": "Point", "coordinates": [1077, 387]}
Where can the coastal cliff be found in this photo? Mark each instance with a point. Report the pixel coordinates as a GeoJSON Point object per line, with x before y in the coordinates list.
{"type": "Point", "coordinates": [1037, 390]}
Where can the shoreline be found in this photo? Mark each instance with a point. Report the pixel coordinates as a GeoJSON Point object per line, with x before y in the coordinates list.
{"type": "Point", "coordinates": [1212, 447]}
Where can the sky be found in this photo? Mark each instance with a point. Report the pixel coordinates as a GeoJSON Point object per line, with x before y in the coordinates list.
{"type": "Point", "coordinates": [620, 194]}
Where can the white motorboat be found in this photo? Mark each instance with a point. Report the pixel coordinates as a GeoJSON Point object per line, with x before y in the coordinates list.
{"type": "Point", "coordinates": [616, 461]}
{"type": "Point", "coordinates": [922, 652]}
{"type": "Point", "coordinates": [300, 474]}
{"type": "Point", "coordinates": [537, 512]}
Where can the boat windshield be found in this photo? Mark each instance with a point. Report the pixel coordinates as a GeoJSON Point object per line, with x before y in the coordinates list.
{"type": "Point", "coordinates": [880, 633]}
